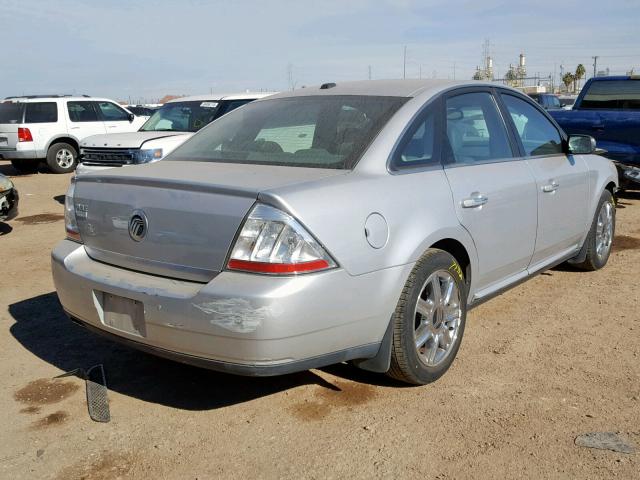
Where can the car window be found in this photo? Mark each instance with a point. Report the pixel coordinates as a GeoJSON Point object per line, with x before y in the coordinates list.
{"type": "Point", "coordinates": [305, 131]}
{"type": "Point", "coordinates": [612, 95]}
{"type": "Point", "coordinates": [418, 147]}
{"type": "Point", "coordinates": [41, 112]}
{"type": "Point", "coordinates": [475, 129]}
{"type": "Point", "coordinates": [538, 135]}
{"type": "Point", "coordinates": [554, 101]}
{"type": "Point", "coordinates": [230, 105]}
{"type": "Point", "coordinates": [82, 111]}
{"type": "Point", "coordinates": [112, 113]}
{"type": "Point", "coordinates": [188, 116]}
{"type": "Point", "coordinates": [11, 112]}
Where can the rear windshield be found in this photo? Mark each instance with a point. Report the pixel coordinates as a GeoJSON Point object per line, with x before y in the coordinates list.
{"type": "Point", "coordinates": [308, 131]}
{"type": "Point", "coordinates": [182, 117]}
{"type": "Point", "coordinates": [11, 112]}
{"type": "Point", "coordinates": [613, 95]}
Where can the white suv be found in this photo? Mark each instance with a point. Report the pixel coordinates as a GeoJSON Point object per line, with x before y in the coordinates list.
{"type": "Point", "coordinates": [50, 128]}
{"type": "Point", "coordinates": [168, 127]}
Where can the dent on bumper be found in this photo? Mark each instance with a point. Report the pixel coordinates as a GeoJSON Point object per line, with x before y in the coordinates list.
{"type": "Point", "coordinates": [238, 322]}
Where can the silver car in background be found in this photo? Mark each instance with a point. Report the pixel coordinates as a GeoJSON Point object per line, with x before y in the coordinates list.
{"type": "Point", "coordinates": [357, 221]}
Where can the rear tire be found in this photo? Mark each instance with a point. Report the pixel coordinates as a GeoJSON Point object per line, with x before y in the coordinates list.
{"type": "Point", "coordinates": [62, 158]}
{"type": "Point", "coordinates": [26, 166]}
{"type": "Point", "coordinates": [429, 319]}
{"type": "Point", "coordinates": [600, 238]}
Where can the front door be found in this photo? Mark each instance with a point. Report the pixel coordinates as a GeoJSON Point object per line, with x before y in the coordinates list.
{"type": "Point", "coordinates": [494, 193]}
{"type": "Point", "coordinates": [116, 119]}
{"type": "Point", "coordinates": [563, 187]}
{"type": "Point", "coordinates": [84, 120]}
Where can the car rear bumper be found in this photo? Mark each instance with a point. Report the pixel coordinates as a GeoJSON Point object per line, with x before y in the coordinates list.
{"type": "Point", "coordinates": [238, 323]}
{"type": "Point", "coordinates": [12, 154]}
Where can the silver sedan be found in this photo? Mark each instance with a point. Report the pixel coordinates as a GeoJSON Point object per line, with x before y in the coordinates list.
{"type": "Point", "coordinates": [350, 222]}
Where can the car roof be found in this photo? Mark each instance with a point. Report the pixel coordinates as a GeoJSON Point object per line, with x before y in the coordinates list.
{"type": "Point", "coordinates": [27, 99]}
{"type": "Point", "coordinates": [222, 96]}
{"type": "Point", "coordinates": [383, 88]}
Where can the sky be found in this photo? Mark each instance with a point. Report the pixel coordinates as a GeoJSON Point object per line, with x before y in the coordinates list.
{"type": "Point", "coordinates": [143, 49]}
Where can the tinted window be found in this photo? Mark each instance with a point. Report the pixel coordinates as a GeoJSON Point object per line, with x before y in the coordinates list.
{"type": "Point", "coordinates": [230, 105]}
{"type": "Point", "coordinates": [554, 101]}
{"type": "Point", "coordinates": [475, 129]}
{"type": "Point", "coordinates": [112, 113]}
{"type": "Point", "coordinates": [418, 149]}
{"type": "Point", "coordinates": [613, 95]}
{"type": "Point", "coordinates": [41, 112]}
{"type": "Point", "coordinates": [182, 116]}
{"type": "Point", "coordinates": [82, 112]}
{"type": "Point", "coordinates": [305, 131]}
{"type": "Point", "coordinates": [11, 112]}
{"type": "Point", "coordinates": [539, 136]}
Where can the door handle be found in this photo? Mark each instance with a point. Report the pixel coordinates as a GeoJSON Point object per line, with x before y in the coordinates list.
{"type": "Point", "coordinates": [475, 200]}
{"type": "Point", "coordinates": [112, 126]}
{"type": "Point", "coordinates": [550, 187]}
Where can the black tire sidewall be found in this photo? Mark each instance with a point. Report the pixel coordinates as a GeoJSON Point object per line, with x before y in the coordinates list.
{"type": "Point", "coordinates": [435, 260]}
{"type": "Point", "coordinates": [51, 158]}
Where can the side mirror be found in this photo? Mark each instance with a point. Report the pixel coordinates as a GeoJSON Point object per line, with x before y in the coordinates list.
{"type": "Point", "coordinates": [582, 144]}
{"type": "Point", "coordinates": [131, 117]}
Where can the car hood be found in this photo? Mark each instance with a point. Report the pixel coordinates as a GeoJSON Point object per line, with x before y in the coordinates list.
{"type": "Point", "coordinates": [127, 140]}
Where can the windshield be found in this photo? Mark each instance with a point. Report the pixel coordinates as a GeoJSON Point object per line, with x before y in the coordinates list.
{"type": "Point", "coordinates": [181, 117]}
{"type": "Point", "coordinates": [613, 95]}
{"type": "Point", "coordinates": [11, 112]}
{"type": "Point", "coordinates": [306, 131]}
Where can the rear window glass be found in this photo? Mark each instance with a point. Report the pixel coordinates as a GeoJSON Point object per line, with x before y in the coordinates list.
{"type": "Point", "coordinates": [41, 112]}
{"type": "Point", "coordinates": [11, 112]}
{"type": "Point", "coordinates": [613, 95]}
{"type": "Point", "coordinates": [306, 131]}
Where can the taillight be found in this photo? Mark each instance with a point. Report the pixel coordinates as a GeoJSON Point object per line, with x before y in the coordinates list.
{"type": "Point", "coordinates": [275, 243]}
{"type": "Point", "coordinates": [24, 135]}
{"type": "Point", "coordinates": [70, 224]}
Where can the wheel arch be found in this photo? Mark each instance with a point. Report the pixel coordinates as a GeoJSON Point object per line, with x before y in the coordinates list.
{"type": "Point", "coordinates": [64, 139]}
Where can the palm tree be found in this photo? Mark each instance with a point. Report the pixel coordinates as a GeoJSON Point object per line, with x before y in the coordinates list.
{"type": "Point", "coordinates": [568, 79]}
{"type": "Point", "coordinates": [580, 72]}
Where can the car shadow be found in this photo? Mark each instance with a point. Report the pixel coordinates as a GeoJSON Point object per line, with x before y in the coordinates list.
{"type": "Point", "coordinates": [59, 199]}
{"type": "Point", "coordinates": [42, 328]}
{"type": "Point", "coordinates": [5, 228]}
{"type": "Point", "coordinates": [629, 195]}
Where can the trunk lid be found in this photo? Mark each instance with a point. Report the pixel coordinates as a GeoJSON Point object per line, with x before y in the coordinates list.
{"type": "Point", "coordinates": [189, 212]}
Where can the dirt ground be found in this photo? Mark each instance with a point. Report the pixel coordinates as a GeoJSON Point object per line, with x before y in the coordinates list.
{"type": "Point", "coordinates": [554, 358]}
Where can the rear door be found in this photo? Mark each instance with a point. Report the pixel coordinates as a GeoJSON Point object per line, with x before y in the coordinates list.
{"type": "Point", "coordinates": [84, 119]}
{"type": "Point", "coordinates": [494, 192]}
{"type": "Point", "coordinates": [562, 184]}
{"type": "Point", "coordinates": [115, 118]}
{"type": "Point", "coordinates": [41, 118]}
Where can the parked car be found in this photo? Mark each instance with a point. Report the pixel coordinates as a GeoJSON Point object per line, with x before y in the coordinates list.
{"type": "Point", "coordinates": [169, 126]}
{"type": "Point", "coordinates": [8, 200]}
{"type": "Point", "coordinates": [51, 128]}
{"type": "Point", "coordinates": [549, 101]}
{"type": "Point", "coordinates": [608, 108]}
{"type": "Point", "coordinates": [357, 221]}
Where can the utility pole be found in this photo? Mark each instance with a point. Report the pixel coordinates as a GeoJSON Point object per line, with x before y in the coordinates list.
{"type": "Point", "coordinates": [404, 63]}
{"type": "Point", "coordinates": [454, 70]}
{"type": "Point", "coordinates": [595, 64]}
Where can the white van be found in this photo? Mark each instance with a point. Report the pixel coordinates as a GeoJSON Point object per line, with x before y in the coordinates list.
{"type": "Point", "coordinates": [50, 128]}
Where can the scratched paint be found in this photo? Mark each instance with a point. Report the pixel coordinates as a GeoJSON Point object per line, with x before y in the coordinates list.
{"type": "Point", "coordinates": [236, 314]}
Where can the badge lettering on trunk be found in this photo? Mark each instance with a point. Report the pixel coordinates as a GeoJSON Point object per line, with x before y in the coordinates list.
{"type": "Point", "coordinates": [138, 226]}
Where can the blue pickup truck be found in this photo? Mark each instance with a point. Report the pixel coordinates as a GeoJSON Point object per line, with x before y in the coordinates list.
{"type": "Point", "coordinates": [608, 109]}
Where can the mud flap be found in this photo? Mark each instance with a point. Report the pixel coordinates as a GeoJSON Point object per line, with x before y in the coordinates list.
{"type": "Point", "coordinates": [96, 385]}
{"type": "Point", "coordinates": [382, 361]}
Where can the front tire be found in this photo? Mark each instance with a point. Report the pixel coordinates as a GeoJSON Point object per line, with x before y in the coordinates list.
{"type": "Point", "coordinates": [429, 319]}
{"type": "Point", "coordinates": [600, 238]}
{"type": "Point", "coordinates": [62, 158]}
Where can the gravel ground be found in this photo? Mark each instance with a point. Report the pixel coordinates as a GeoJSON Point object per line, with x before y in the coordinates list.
{"type": "Point", "coordinates": [554, 358]}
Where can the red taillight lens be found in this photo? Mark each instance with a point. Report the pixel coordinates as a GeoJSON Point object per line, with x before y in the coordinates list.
{"type": "Point", "coordinates": [24, 135]}
{"type": "Point", "coordinates": [264, 267]}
